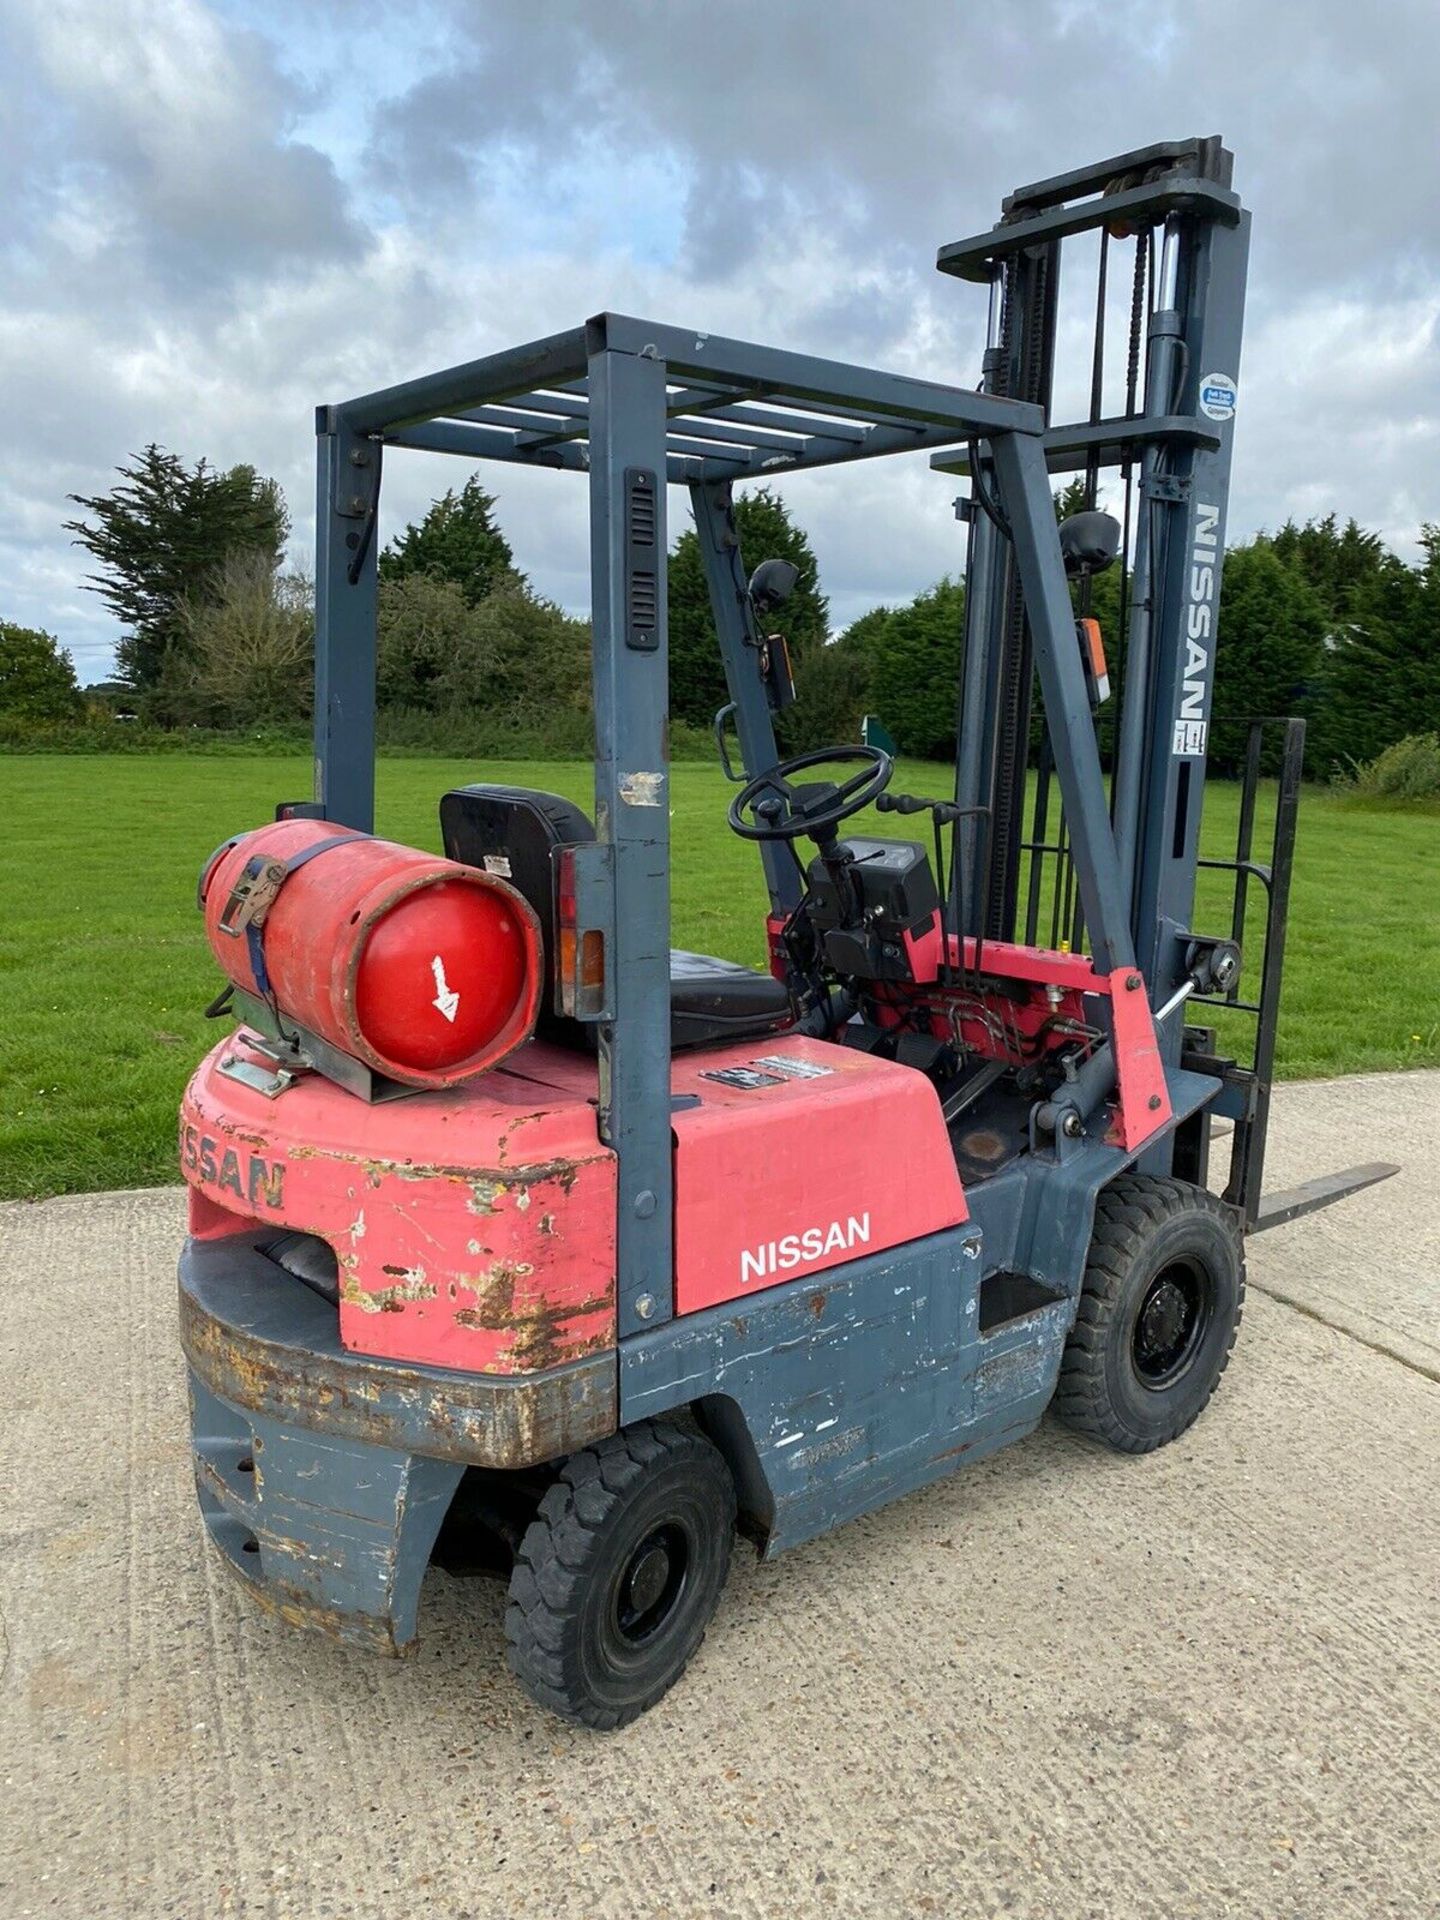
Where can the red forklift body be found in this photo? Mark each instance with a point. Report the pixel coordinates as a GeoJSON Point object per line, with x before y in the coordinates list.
{"type": "Point", "coordinates": [476, 1229]}
{"type": "Point", "coordinates": [470, 1229]}
{"type": "Point", "coordinates": [795, 1156]}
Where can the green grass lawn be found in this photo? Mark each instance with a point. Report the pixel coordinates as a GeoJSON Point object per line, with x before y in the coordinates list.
{"type": "Point", "coordinates": [104, 968]}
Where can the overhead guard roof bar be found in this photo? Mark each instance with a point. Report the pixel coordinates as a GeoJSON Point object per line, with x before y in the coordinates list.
{"type": "Point", "coordinates": [709, 413]}
{"type": "Point", "coordinates": [530, 405]}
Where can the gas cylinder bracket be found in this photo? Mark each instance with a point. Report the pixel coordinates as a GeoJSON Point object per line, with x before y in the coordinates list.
{"type": "Point", "coordinates": [281, 1060]}
{"type": "Point", "coordinates": [267, 1081]}
{"type": "Point", "coordinates": [293, 1050]}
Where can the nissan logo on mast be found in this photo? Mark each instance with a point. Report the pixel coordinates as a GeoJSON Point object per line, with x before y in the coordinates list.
{"type": "Point", "coordinates": [1190, 723]}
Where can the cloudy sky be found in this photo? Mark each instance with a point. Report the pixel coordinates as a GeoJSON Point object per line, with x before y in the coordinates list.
{"type": "Point", "coordinates": [216, 213]}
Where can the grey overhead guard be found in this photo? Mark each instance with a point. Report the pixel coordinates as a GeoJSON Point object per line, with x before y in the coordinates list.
{"type": "Point", "coordinates": [515, 831]}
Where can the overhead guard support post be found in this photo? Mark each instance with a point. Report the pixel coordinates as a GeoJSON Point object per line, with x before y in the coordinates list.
{"type": "Point", "coordinates": [1025, 484]}
{"type": "Point", "coordinates": [739, 650]}
{"type": "Point", "coordinates": [632, 815]}
{"type": "Point", "coordinates": [346, 536]}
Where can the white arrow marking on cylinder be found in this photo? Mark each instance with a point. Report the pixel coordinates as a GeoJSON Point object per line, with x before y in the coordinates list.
{"type": "Point", "coordinates": [446, 1000]}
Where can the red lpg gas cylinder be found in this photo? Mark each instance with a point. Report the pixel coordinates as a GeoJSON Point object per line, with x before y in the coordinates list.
{"type": "Point", "coordinates": [426, 970]}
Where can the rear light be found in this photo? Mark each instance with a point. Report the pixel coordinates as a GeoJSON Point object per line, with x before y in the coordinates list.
{"type": "Point", "coordinates": [580, 953]}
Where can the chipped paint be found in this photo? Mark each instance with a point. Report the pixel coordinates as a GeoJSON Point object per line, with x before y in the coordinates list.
{"type": "Point", "coordinates": [413, 1286]}
{"type": "Point", "coordinates": [486, 1195]}
{"type": "Point", "coordinates": [538, 1327]}
{"type": "Point", "coordinates": [470, 1418]}
{"type": "Point", "coordinates": [834, 1448]}
{"type": "Point", "coordinates": [418, 1273]}
{"type": "Point", "coordinates": [500, 1179]}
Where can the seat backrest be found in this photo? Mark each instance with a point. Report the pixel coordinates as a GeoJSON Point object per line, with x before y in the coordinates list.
{"type": "Point", "coordinates": [514, 832]}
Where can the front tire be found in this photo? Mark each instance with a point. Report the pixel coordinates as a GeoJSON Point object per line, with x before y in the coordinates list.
{"type": "Point", "coordinates": [1159, 1310]}
{"type": "Point", "coordinates": [619, 1573]}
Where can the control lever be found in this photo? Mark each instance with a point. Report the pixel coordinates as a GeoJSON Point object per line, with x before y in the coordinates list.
{"type": "Point", "coordinates": [945, 811]}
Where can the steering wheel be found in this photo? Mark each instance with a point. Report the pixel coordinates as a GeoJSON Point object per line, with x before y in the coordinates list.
{"type": "Point", "coordinates": [784, 812]}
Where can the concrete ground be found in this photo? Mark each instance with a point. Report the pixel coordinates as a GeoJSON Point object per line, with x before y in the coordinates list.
{"type": "Point", "coordinates": [1063, 1683]}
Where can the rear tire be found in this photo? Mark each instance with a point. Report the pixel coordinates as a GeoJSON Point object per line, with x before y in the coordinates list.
{"type": "Point", "coordinates": [1159, 1310]}
{"type": "Point", "coordinates": [619, 1573]}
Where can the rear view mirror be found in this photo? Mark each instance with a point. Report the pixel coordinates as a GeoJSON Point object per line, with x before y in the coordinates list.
{"type": "Point", "coordinates": [772, 582]}
{"type": "Point", "coordinates": [1089, 542]}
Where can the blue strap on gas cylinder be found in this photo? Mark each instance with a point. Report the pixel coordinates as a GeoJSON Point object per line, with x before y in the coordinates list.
{"type": "Point", "coordinates": [294, 864]}
{"type": "Point", "coordinates": [255, 942]}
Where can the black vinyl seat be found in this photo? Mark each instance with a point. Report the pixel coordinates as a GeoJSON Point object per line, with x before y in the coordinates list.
{"type": "Point", "coordinates": [716, 1000]}
{"type": "Point", "coordinates": [514, 832]}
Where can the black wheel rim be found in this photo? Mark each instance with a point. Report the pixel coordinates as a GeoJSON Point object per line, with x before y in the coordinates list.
{"type": "Point", "coordinates": [651, 1586]}
{"type": "Point", "coordinates": [1171, 1325]}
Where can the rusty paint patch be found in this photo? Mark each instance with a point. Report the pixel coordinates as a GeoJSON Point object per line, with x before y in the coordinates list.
{"type": "Point", "coordinates": [537, 1327]}
{"type": "Point", "coordinates": [410, 1287]}
{"type": "Point", "coordinates": [476, 1419]}
{"type": "Point", "coordinates": [496, 1180]}
{"type": "Point", "coordinates": [296, 1609]}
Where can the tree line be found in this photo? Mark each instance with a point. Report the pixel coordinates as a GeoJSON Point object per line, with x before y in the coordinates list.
{"type": "Point", "coordinates": [1320, 619]}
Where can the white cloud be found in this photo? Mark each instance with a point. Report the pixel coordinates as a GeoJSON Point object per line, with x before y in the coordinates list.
{"type": "Point", "coordinates": [223, 213]}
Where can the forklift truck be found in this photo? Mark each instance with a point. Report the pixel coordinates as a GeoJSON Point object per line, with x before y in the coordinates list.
{"type": "Point", "coordinates": [517, 1237]}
